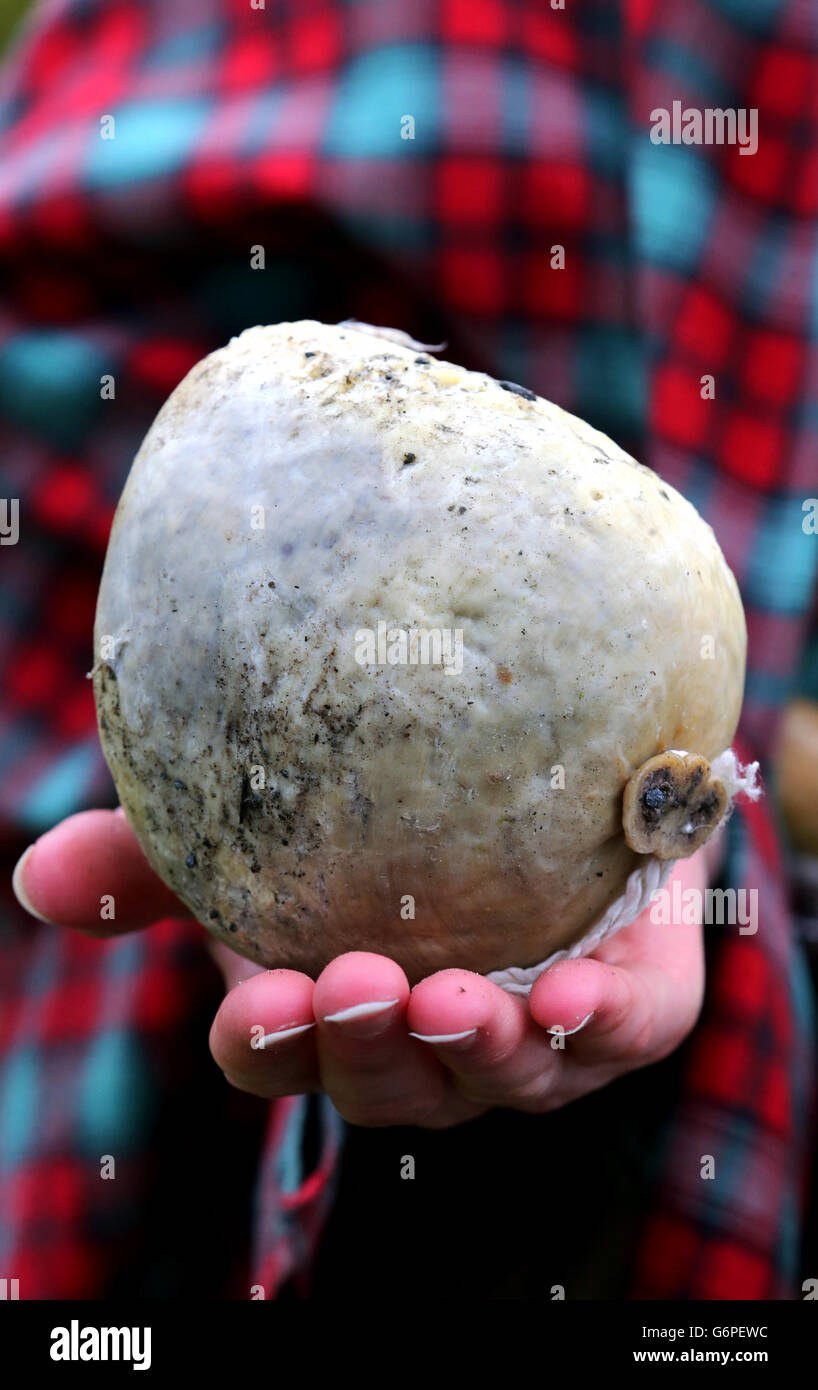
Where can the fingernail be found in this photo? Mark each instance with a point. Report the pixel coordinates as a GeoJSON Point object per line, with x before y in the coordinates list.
{"type": "Point", "coordinates": [444, 1037]}
{"type": "Point", "coordinates": [281, 1035]}
{"type": "Point", "coordinates": [364, 1020]}
{"type": "Point", "coordinates": [569, 1032]}
{"type": "Point", "coordinates": [19, 891]}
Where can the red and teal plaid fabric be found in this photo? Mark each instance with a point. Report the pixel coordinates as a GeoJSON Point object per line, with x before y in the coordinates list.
{"type": "Point", "coordinates": [412, 165]}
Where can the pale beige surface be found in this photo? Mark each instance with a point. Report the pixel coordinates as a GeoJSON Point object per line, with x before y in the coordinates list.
{"type": "Point", "coordinates": [417, 493]}
{"type": "Point", "coordinates": [796, 771]}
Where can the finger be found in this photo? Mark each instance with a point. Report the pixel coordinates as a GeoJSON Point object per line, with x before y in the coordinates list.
{"type": "Point", "coordinates": [88, 864]}
{"type": "Point", "coordinates": [373, 1071]}
{"type": "Point", "coordinates": [234, 968]}
{"type": "Point", "coordinates": [263, 1035]}
{"type": "Point", "coordinates": [630, 1014]}
{"type": "Point", "coordinates": [485, 1038]}
{"type": "Point", "coordinates": [640, 992]}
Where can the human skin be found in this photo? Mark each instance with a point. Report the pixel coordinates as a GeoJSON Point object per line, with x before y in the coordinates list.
{"type": "Point", "coordinates": [636, 998]}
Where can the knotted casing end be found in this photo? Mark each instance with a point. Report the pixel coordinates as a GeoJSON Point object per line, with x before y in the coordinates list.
{"type": "Point", "coordinates": [672, 805]}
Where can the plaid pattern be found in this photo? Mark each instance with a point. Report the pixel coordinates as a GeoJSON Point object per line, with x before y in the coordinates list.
{"type": "Point", "coordinates": [129, 258]}
{"type": "Point", "coordinates": [746, 1101]}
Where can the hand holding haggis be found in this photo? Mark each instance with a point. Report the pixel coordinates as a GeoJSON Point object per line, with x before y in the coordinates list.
{"type": "Point", "coordinates": [353, 1031]}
